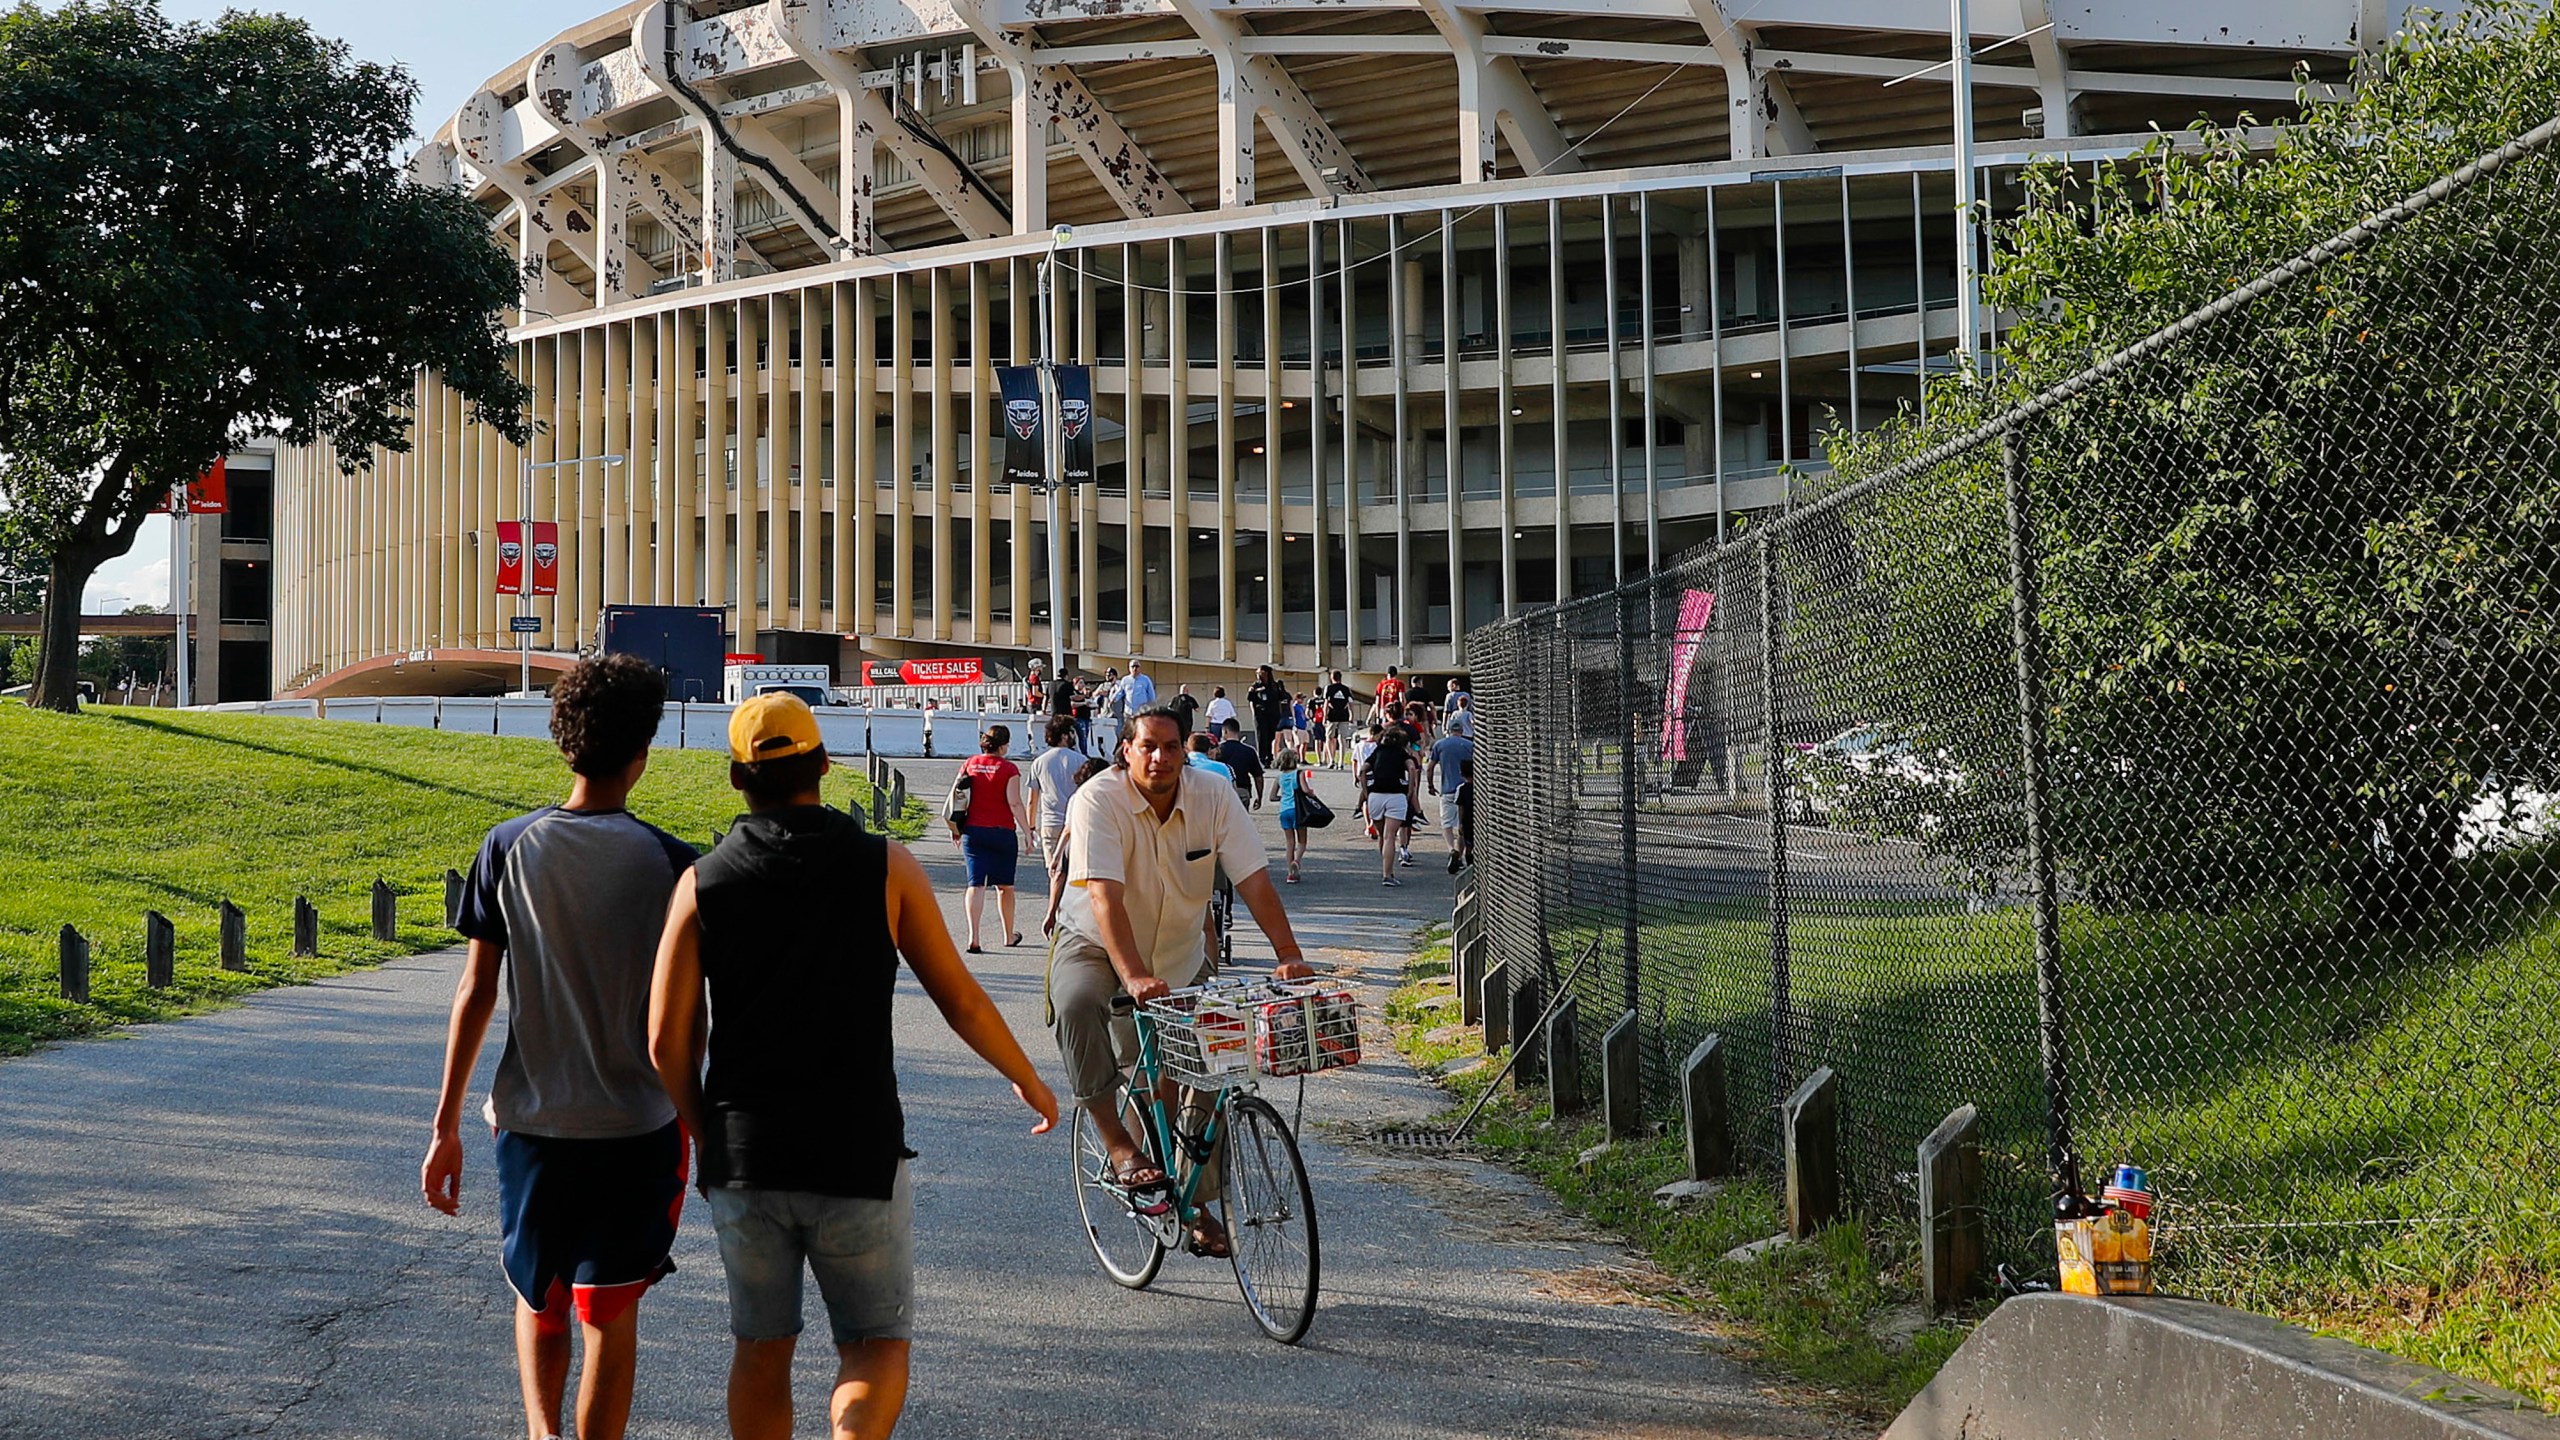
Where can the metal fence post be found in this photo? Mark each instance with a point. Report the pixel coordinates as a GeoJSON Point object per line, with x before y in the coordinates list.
{"type": "Point", "coordinates": [1774, 760]}
{"type": "Point", "coordinates": [2028, 653]}
{"type": "Point", "coordinates": [1627, 782]}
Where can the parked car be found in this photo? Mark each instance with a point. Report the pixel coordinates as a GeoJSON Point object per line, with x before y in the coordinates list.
{"type": "Point", "coordinates": [1872, 772]}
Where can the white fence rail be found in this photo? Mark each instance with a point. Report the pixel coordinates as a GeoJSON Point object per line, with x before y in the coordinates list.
{"type": "Point", "coordinates": [897, 733]}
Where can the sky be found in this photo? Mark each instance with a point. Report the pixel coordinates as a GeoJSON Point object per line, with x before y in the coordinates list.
{"type": "Point", "coordinates": [452, 47]}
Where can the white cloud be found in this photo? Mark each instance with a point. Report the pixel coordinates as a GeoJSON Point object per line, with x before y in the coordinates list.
{"type": "Point", "coordinates": [131, 581]}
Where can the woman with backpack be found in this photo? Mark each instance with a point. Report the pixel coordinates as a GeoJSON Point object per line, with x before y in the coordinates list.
{"type": "Point", "coordinates": [1290, 785]}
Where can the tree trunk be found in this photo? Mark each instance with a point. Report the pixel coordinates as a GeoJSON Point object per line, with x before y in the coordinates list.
{"type": "Point", "coordinates": [57, 685]}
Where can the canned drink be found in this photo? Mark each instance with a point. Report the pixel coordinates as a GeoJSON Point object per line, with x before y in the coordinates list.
{"type": "Point", "coordinates": [2132, 1177]}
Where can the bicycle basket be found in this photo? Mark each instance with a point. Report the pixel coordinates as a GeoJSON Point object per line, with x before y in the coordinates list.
{"type": "Point", "coordinates": [1221, 1035]}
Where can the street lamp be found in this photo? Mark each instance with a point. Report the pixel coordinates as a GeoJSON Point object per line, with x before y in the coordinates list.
{"type": "Point", "coordinates": [1055, 460]}
{"type": "Point", "coordinates": [524, 573]}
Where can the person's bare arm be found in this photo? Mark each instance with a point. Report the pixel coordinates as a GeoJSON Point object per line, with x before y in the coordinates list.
{"type": "Point", "coordinates": [675, 1006]}
{"type": "Point", "coordinates": [1120, 940]}
{"type": "Point", "coordinates": [475, 999]}
{"type": "Point", "coordinates": [1263, 898]}
{"type": "Point", "coordinates": [915, 924]}
{"type": "Point", "coordinates": [1017, 800]}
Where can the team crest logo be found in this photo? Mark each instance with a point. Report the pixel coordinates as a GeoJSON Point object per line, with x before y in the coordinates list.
{"type": "Point", "coordinates": [1024, 417]}
{"type": "Point", "coordinates": [546, 556]}
{"type": "Point", "coordinates": [1073, 416]}
{"type": "Point", "coordinates": [510, 552]}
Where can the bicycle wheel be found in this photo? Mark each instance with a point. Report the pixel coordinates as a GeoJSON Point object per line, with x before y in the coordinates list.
{"type": "Point", "coordinates": [1127, 1245]}
{"type": "Point", "coordinates": [1271, 1219]}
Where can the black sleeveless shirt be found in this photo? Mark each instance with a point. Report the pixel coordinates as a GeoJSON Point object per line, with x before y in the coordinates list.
{"type": "Point", "coordinates": [802, 1090]}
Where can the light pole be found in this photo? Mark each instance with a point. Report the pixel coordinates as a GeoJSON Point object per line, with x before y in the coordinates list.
{"type": "Point", "coordinates": [1054, 461]}
{"type": "Point", "coordinates": [524, 572]}
{"type": "Point", "coordinates": [1968, 330]}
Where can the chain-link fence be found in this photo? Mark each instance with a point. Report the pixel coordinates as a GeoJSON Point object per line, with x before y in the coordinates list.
{"type": "Point", "coordinates": [2166, 766]}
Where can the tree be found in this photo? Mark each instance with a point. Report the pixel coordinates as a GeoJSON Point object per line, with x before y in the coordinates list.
{"type": "Point", "coordinates": [205, 233]}
{"type": "Point", "coordinates": [2294, 568]}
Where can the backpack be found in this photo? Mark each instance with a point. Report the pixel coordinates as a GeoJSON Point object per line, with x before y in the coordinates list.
{"type": "Point", "coordinates": [1313, 813]}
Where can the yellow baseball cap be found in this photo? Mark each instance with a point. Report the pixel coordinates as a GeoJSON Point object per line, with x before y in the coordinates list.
{"type": "Point", "coordinates": [772, 726]}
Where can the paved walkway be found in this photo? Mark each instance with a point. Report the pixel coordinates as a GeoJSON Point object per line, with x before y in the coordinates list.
{"type": "Point", "coordinates": [211, 1228]}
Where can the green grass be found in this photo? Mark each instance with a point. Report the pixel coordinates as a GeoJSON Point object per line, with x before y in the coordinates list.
{"type": "Point", "coordinates": [2346, 1120]}
{"type": "Point", "coordinates": [113, 812]}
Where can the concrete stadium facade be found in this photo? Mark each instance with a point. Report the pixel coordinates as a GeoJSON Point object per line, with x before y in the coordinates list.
{"type": "Point", "coordinates": [1403, 314]}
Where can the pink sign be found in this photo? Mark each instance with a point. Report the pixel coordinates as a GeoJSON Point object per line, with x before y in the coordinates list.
{"type": "Point", "coordinates": [1695, 608]}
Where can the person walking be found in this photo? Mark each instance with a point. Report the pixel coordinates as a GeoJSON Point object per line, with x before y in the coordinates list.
{"type": "Point", "coordinates": [1338, 699]}
{"type": "Point", "coordinates": [1243, 763]}
{"type": "Point", "coordinates": [1050, 781]}
{"type": "Point", "coordinates": [561, 913]}
{"type": "Point", "coordinates": [1111, 702]}
{"type": "Point", "coordinates": [1289, 782]}
{"type": "Point", "coordinates": [991, 834]}
{"type": "Point", "coordinates": [1139, 689]}
{"type": "Point", "coordinates": [1387, 779]}
{"type": "Point", "coordinates": [1388, 702]}
{"type": "Point", "coordinates": [1448, 770]}
{"type": "Point", "coordinates": [1299, 717]}
{"type": "Point", "coordinates": [786, 941]}
{"type": "Point", "coordinates": [1221, 710]}
{"type": "Point", "coordinates": [1146, 843]}
{"type": "Point", "coordinates": [1268, 700]}
{"type": "Point", "coordinates": [1186, 708]}
{"type": "Point", "coordinates": [1084, 708]}
{"type": "Point", "coordinates": [1058, 873]}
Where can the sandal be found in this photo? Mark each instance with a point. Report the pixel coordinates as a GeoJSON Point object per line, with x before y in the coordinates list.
{"type": "Point", "coordinates": [1208, 1239]}
{"type": "Point", "coordinates": [1016, 940]}
{"type": "Point", "coordinates": [974, 950]}
{"type": "Point", "coordinates": [1149, 1192]}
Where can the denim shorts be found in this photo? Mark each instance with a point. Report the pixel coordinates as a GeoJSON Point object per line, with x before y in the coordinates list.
{"type": "Point", "coordinates": [862, 1251]}
{"type": "Point", "coordinates": [993, 851]}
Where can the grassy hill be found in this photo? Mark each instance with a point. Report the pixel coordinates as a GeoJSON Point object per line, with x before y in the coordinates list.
{"type": "Point", "coordinates": [114, 812]}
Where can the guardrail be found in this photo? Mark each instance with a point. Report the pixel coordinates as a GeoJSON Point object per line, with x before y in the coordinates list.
{"type": "Point", "coordinates": [892, 731]}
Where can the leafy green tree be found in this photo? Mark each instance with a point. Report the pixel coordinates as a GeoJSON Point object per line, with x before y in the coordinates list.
{"type": "Point", "coordinates": [2296, 570]}
{"type": "Point", "coordinates": [205, 232]}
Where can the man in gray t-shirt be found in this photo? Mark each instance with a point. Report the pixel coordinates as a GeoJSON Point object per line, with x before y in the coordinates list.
{"type": "Point", "coordinates": [1051, 780]}
{"type": "Point", "coordinates": [563, 911]}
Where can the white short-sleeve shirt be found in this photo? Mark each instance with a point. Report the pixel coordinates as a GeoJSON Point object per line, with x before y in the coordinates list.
{"type": "Point", "coordinates": [1168, 869]}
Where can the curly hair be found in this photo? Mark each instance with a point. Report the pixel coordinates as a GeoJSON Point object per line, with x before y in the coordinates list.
{"type": "Point", "coordinates": [605, 712]}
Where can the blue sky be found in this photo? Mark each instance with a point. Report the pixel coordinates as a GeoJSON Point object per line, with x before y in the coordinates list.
{"type": "Point", "coordinates": [452, 46]}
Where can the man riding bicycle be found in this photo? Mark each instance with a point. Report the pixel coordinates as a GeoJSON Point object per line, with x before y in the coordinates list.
{"type": "Point", "coordinates": [1147, 842]}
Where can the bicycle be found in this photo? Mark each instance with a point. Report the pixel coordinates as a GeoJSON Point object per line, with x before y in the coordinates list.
{"type": "Point", "coordinates": [1214, 1040]}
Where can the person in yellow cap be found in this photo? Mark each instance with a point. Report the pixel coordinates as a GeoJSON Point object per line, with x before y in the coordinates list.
{"type": "Point", "coordinates": [792, 929]}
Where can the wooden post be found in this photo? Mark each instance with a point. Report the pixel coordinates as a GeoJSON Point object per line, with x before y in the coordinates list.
{"type": "Point", "coordinates": [1564, 1059]}
{"type": "Point", "coordinates": [1528, 997]}
{"type": "Point", "coordinates": [1622, 1080]}
{"type": "Point", "coordinates": [453, 883]}
{"type": "Point", "coordinates": [879, 807]}
{"type": "Point", "coordinates": [74, 953]}
{"type": "Point", "coordinates": [1705, 1118]}
{"type": "Point", "coordinates": [159, 951]}
{"type": "Point", "coordinates": [386, 913]}
{"type": "Point", "coordinates": [306, 926]}
{"type": "Point", "coordinates": [897, 793]}
{"type": "Point", "coordinates": [1468, 956]}
{"type": "Point", "coordinates": [1811, 1122]}
{"type": "Point", "coordinates": [1495, 1000]}
{"type": "Point", "coordinates": [235, 938]}
{"type": "Point", "coordinates": [1951, 1210]}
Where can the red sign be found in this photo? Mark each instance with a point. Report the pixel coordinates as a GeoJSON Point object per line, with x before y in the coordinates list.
{"type": "Point", "coordinates": [510, 558]}
{"type": "Point", "coordinates": [546, 558]}
{"type": "Point", "coordinates": [925, 672]}
{"type": "Point", "coordinates": [208, 494]}
{"type": "Point", "coordinates": [742, 659]}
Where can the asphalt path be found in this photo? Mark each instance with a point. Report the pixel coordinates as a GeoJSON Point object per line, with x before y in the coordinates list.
{"type": "Point", "coordinates": [211, 1228]}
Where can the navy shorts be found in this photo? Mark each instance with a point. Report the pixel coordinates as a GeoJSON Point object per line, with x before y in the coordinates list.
{"type": "Point", "coordinates": [992, 851]}
{"type": "Point", "coordinates": [593, 1218]}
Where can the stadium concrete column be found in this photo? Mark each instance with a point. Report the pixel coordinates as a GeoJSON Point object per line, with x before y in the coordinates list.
{"type": "Point", "coordinates": [1507, 403]}
{"type": "Point", "coordinates": [1178, 447]}
{"type": "Point", "coordinates": [1559, 427]}
{"type": "Point", "coordinates": [1615, 416]}
{"type": "Point", "coordinates": [1346, 324]}
{"type": "Point", "coordinates": [1223, 352]}
{"type": "Point", "coordinates": [750, 555]}
{"type": "Point", "coordinates": [944, 443]}
{"type": "Point", "coordinates": [579, 493]}
{"type": "Point", "coordinates": [781, 556]}
{"type": "Point", "coordinates": [1088, 496]}
{"type": "Point", "coordinates": [864, 382]}
{"type": "Point", "coordinates": [1320, 508]}
{"type": "Point", "coordinates": [719, 403]}
{"type": "Point", "coordinates": [985, 478]}
{"type": "Point", "coordinates": [610, 529]}
{"type": "Point", "coordinates": [1022, 305]}
{"type": "Point", "coordinates": [844, 500]}
{"type": "Point", "coordinates": [1403, 318]}
{"type": "Point", "coordinates": [719, 209]}
{"type": "Point", "coordinates": [1136, 328]}
{"type": "Point", "coordinates": [1452, 447]}
{"type": "Point", "coordinates": [902, 454]}
{"type": "Point", "coordinates": [685, 473]}
{"type": "Point", "coordinates": [810, 406]}
{"type": "Point", "coordinates": [1275, 498]}
{"type": "Point", "coordinates": [644, 473]}
{"type": "Point", "coordinates": [669, 361]}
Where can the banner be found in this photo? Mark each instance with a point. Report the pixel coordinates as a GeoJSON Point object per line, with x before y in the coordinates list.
{"type": "Point", "coordinates": [208, 494]}
{"type": "Point", "coordinates": [546, 558]}
{"type": "Point", "coordinates": [1696, 608]}
{"type": "Point", "coordinates": [510, 558]}
{"type": "Point", "coordinates": [968, 671]}
{"type": "Point", "coordinates": [1075, 424]}
{"type": "Point", "coordinates": [1023, 463]}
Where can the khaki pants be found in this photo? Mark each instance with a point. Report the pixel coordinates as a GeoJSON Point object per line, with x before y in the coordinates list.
{"type": "Point", "coordinates": [1095, 1044]}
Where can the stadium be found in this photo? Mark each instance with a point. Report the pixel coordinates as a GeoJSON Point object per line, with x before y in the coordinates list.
{"type": "Point", "coordinates": [1403, 315]}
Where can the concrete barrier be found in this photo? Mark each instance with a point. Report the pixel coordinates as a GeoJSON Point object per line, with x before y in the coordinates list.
{"type": "Point", "coordinates": [670, 734]}
{"type": "Point", "coordinates": [524, 719]}
{"type": "Point", "coordinates": [468, 717]}
{"type": "Point", "coordinates": [367, 711]}
{"type": "Point", "coordinates": [290, 709]}
{"type": "Point", "coordinates": [845, 730]}
{"type": "Point", "coordinates": [418, 711]}
{"type": "Point", "coordinates": [898, 734]}
{"type": "Point", "coordinates": [706, 727]}
{"type": "Point", "coordinates": [2064, 1367]}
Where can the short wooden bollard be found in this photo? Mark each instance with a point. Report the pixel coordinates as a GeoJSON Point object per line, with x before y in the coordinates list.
{"type": "Point", "coordinates": [1622, 1080]}
{"type": "Point", "coordinates": [897, 792]}
{"type": "Point", "coordinates": [1494, 999]}
{"type": "Point", "coordinates": [1951, 1210]}
{"type": "Point", "coordinates": [1468, 956]}
{"type": "Point", "coordinates": [235, 938]}
{"type": "Point", "coordinates": [1564, 1059]}
{"type": "Point", "coordinates": [306, 926]}
{"type": "Point", "coordinates": [1705, 1119]}
{"type": "Point", "coordinates": [74, 960]}
{"type": "Point", "coordinates": [159, 951]}
{"type": "Point", "coordinates": [453, 883]}
{"type": "Point", "coordinates": [1528, 998]}
{"type": "Point", "coordinates": [386, 913]}
{"type": "Point", "coordinates": [1810, 1125]}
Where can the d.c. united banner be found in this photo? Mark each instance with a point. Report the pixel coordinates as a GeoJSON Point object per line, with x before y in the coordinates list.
{"type": "Point", "coordinates": [1022, 439]}
{"type": "Point", "coordinates": [510, 579]}
{"type": "Point", "coordinates": [512, 558]}
{"type": "Point", "coordinates": [1075, 424]}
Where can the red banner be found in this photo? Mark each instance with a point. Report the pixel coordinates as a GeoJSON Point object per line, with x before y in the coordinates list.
{"type": "Point", "coordinates": [1697, 607]}
{"type": "Point", "coordinates": [510, 558]}
{"type": "Point", "coordinates": [925, 672]}
{"type": "Point", "coordinates": [546, 558]}
{"type": "Point", "coordinates": [208, 494]}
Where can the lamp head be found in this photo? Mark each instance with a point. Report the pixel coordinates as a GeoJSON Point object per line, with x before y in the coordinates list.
{"type": "Point", "coordinates": [1062, 235]}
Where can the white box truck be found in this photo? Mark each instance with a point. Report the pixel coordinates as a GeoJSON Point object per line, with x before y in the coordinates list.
{"type": "Point", "coordinates": [810, 682]}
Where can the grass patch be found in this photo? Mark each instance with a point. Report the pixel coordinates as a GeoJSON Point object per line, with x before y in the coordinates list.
{"type": "Point", "coordinates": [113, 812]}
{"type": "Point", "coordinates": [1839, 1317]}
